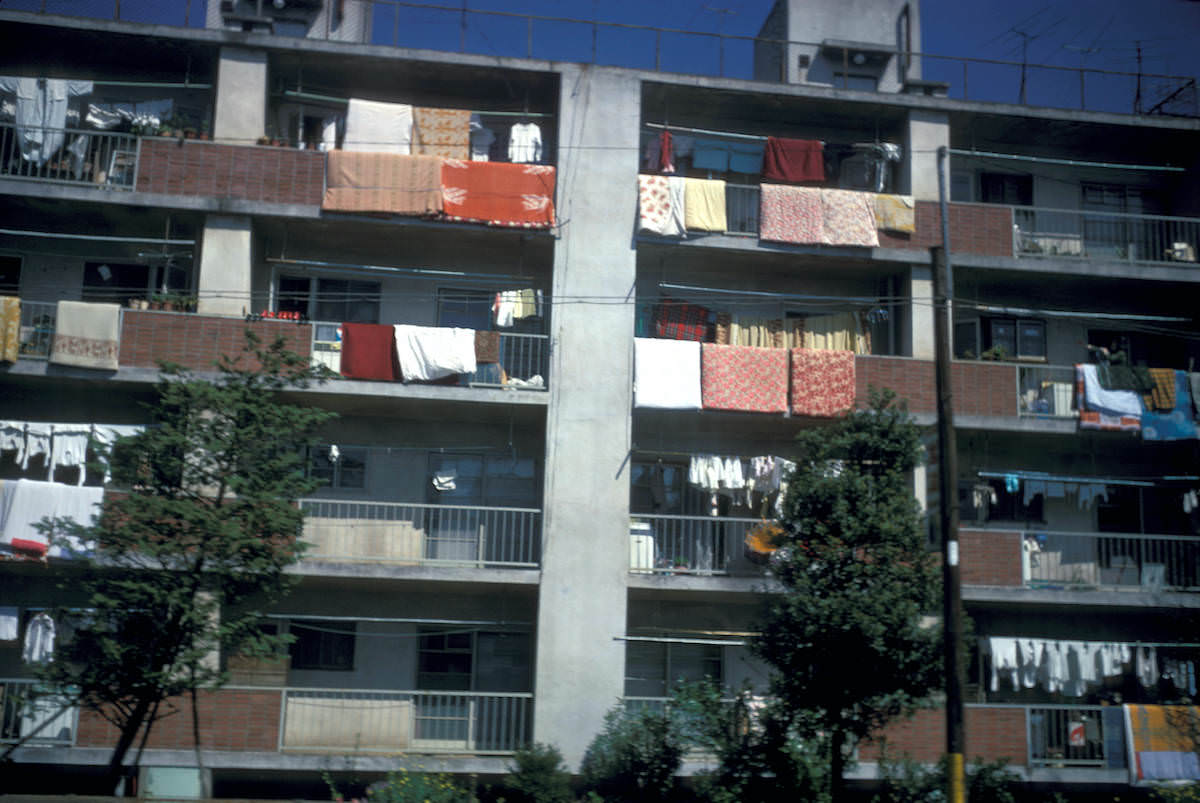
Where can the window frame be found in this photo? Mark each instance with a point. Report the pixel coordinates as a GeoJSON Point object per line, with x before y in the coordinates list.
{"type": "Point", "coordinates": [316, 648]}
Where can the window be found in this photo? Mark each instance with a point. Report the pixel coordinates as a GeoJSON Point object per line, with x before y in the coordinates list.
{"type": "Point", "coordinates": [653, 668]}
{"type": "Point", "coordinates": [1003, 339]}
{"type": "Point", "coordinates": [468, 309]}
{"type": "Point", "coordinates": [114, 282]}
{"type": "Point", "coordinates": [444, 661]}
{"type": "Point", "coordinates": [323, 645]}
{"type": "Point", "coordinates": [657, 487]}
{"type": "Point", "coordinates": [337, 300]}
{"type": "Point", "coordinates": [10, 275]}
{"type": "Point", "coordinates": [1006, 188]}
{"type": "Point", "coordinates": [862, 81]}
{"type": "Point", "coordinates": [344, 468]}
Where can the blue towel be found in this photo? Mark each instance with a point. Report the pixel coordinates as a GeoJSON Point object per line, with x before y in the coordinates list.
{"type": "Point", "coordinates": [711, 154]}
{"type": "Point", "coordinates": [746, 157]}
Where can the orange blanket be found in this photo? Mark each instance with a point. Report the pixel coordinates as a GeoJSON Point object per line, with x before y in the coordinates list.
{"type": "Point", "coordinates": [383, 182]}
{"type": "Point", "coordinates": [498, 193]}
{"type": "Point", "coordinates": [442, 132]}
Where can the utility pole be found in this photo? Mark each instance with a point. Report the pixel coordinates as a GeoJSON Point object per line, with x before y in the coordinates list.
{"type": "Point", "coordinates": [948, 504]}
{"type": "Point", "coordinates": [1137, 97]}
{"type": "Point", "coordinates": [1024, 60]}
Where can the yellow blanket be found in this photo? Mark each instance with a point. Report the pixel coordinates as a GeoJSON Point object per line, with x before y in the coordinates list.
{"type": "Point", "coordinates": [895, 213]}
{"type": "Point", "coordinates": [704, 204]}
{"type": "Point", "coordinates": [383, 182]}
{"type": "Point", "coordinates": [10, 328]}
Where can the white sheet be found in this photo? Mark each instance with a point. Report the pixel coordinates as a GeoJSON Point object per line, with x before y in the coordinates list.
{"type": "Point", "coordinates": [377, 127]}
{"type": "Point", "coordinates": [69, 448]}
{"type": "Point", "coordinates": [431, 352]}
{"type": "Point", "coordinates": [1112, 402]}
{"type": "Point", "coordinates": [37, 441]}
{"type": "Point", "coordinates": [666, 374]}
{"type": "Point", "coordinates": [26, 502]}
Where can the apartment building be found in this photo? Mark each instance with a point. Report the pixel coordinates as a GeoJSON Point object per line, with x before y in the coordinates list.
{"type": "Point", "coordinates": [503, 554]}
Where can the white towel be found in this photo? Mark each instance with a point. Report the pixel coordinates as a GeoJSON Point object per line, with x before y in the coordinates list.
{"type": "Point", "coordinates": [37, 441]}
{"type": "Point", "coordinates": [39, 640]}
{"type": "Point", "coordinates": [666, 374]}
{"type": "Point", "coordinates": [26, 502]}
{"type": "Point", "coordinates": [12, 437]}
{"type": "Point", "coordinates": [1110, 402]}
{"type": "Point", "coordinates": [1004, 660]}
{"type": "Point", "coordinates": [87, 335]}
{"type": "Point", "coordinates": [9, 622]}
{"type": "Point", "coordinates": [377, 127]}
{"type": "Point", "coordinates": [431, 352]}
{"type": "Point", "coordinates": [69, 448]}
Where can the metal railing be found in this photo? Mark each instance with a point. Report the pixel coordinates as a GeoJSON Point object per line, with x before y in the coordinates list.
{"type": "Point", "coordinates": [1088, 234]}
{"type": "Point", "coordinates": [1065, 736]}
{"type": "Point", "coordinates": [402, 533]}
{"type": "Point", "coordinates": [31, 714]}
{"type": "Point", "coordinates": [524, 359]}
{"type": "Point", "coordinates": [355, 720]}
{"type": "Point", "coordinates": [1111, 560]}
{"type": "Point", "coordinates": [38, 320]}
{"type": "Point", "coordinates": [741, 208]}
{"type": "Point", "coordinates": [447, 27]}
{"type": "Point", "coordinates": [69, 156]}
{"type": "Point", "coordinates": [1046, 391]}
{"type": "Point", "coordinates": [667, 544]}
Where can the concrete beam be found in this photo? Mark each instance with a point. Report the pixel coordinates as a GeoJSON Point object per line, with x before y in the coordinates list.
{"type": "Point", "coordinates": [241, 113]}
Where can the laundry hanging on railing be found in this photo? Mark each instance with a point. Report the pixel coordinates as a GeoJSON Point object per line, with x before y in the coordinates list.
{"type": "Point", "coordinates": [1071, 668]}
{"type": "Point", "coordinates": [383, 182]}
{"type": "Point", "coordinates": [1117, 410]}
{"type": "Point", "coordinates": [24, 503]}
{"type": "Point", "coordinates": [499, 194]}
{"type": "Point", "coordinates": [64, 445]}
{"type": "Point", "coordinates": [87, 335]}
{"type": "Point", "coordinates": [41, 113]}
{"type": "Point", "coordinates": [793, 160]}
{"type": "Point", "coordinates": [510, 306]}
{"type": "Point", "coordinates": [704, 204]}
{"type": "Point", "coordinates": [1178, 422]}
{"type": "Point", "coordinates": [376, 127]}
{"type": "Point", "coordinates": [10, 328]}
{"type": "Point", "coordinates": [441, 132]}
{"type": "Point", "coordinates": [666, 374]}
{"type": "Point", "coordinates": [812, 216]}
{"type": "Point", "coordinates": [822, 382]}
{"type": "Point", "coordinates": [744, 378]}
{"type": "Point", "coordinates": [661, 205]}
{"type": "Point", "coordinates": [432, 352]}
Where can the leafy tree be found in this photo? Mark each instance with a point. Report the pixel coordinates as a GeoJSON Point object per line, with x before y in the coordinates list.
{"type": "Point", "coordinates": [845, 640]}
{"type": "Point", "coordinates": [184, 561]}
{"type": "Point", "coordinates": [538, 775]}
{"type": "Point", "coordinates": [635, 756]}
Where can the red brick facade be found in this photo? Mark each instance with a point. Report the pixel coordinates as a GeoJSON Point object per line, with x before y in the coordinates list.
{"type": "Point", "coordinates": [197, 341]}
{"type": "Point", "coordinates": [230, 719]}
{"type": "Point", "coordinates": [992, 734]}
{"type": "Point", "coordinates": [245, 172]}
{"type": "Point", "coordinates": [978, 388]}
{"type": "Point", "coordinates": [984, 229]}
{"type": "Point", "coordinates": [990, 558]}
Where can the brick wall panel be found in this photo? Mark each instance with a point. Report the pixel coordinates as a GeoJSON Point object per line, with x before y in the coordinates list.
{"type": "Point", "coordinates": [230, 719]}
{"type": "Point", "coordinates": [978, 388]}
{"type": "Point", "coordinates": [245, 172]}
{"type": "Point", "coordinates": [197, 341]}
{"type": "Point", "coordinates": [991, 734]}
{"type": "Point", "coordinates": [990, 558]}
{"type": "Point", "coordinates": [984, 229]}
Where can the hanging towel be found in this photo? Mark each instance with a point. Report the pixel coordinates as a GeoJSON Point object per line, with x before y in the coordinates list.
{"type": "Point", "coordinates": [432, 352]}
{"type": "Point", "coordinates": [790, 214]}
{"type": "Point", "coordinates": [87, 335]}
{"type": "Point", "coordinates": [376, 127]}
{"type": "Point", "coordinates": [1179, 423]}
{"type": "Point", "coordinates": [9, 623]}
{"type": "Point", "coordinates": [499, 194]}
{"type": "Point", "coordinates": [793, 160]}
{"type": "Point", "coordinates": [69, 448]}
{"type": "Point", "coordinates": [12, 438]}
{"type": "Point", "coordinates": [895, 213]}
{"type": "Point", "coordinates": [745, 157]}
{"type": "Point", "coordinates": [383, 182]}
{"type": "Point", "coordinates": [848, 218]}
{"type": "Point", "coordinates": [666, 374]}
{"type": "Point", "coordinates": [10, 328]}
{"type": "Point", "coordinates": [710, 154]}
{"type": "Point", "coordinates": [368, 351]}
{"type": "Point", "coordinates": [661, 205]}
{"type": "Point", "coordinates": [525, 143]}
{"type": "Point", "coordinates": [666, 153]}
{"type": "Point", "coordinates": [678, 320]}
{"type": "Point", "coordinates": [39, 640]}
{"type": "Point", "coordinates": [442, 132]}
{"type": "Point", "coordinates": [26, 502]}
{"type": "Point", "coordinates": [744, 378]}
{"type": "Point", "coordinates": [1004, 661]}
{"type": "Point", "coordinates": [823, 382]}
{"type": "Point", "coordinates": [704, 204]}
{"type": "Point", "coordinates": [487, 346]}
{"type": "Point", "coordinates": [1105, 409]}
{"type": "Point", "coordinates": [37, 442]}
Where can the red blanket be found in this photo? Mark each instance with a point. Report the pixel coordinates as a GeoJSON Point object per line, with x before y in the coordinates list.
{"type": "Point", "coordinates": [793, 160]}
{"type": "Point", "coordinates": [822, 382]}
{"type": "Point", "coordinates": [369, 351]}
{"type": "Point", "coordinates": [745, 378]}
{"type": "Point", "coordinates": [498, 193]}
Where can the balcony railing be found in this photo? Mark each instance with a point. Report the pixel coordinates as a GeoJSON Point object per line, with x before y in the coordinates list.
{"type": "Point", "coordinates": [345, 720]}
{"type": "Point", "coordinates": [38, 319]}
{"type": "Point", "coordinates": [666, 544]}
{"type": "Point", "coordinates": [1066, 736]}
{"type": "Point", "coordinates": [34, 716]}
{"type": "Point", "coordinates": [1111, 561]}
{"type": "Point", "coordinates": [409, 534]}
{"type": "Point", "coordinates": [1087, 234]}
{"type": "Point", "coordinates": [741, 208]}
{"type": "Point", "coordinates": [524, 358]}
{"type": "Point", "coordinates": [69, 156]}
{"type": "Point", "coordinates": [1046, 391]}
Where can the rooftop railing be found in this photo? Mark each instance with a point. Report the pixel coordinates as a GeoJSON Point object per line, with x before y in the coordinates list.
{"type": "Point", "coordinates": [456, 28]}
{"type": "Point", "coordinates": [366, 721]}
{"type": "Point", "coordinates": [1114, 561]}
{"type": "Point", "coordinates": [409, 534]}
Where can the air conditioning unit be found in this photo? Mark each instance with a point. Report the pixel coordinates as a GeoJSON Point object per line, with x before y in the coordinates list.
{"type": "Point", "coordinates": [264, 14]}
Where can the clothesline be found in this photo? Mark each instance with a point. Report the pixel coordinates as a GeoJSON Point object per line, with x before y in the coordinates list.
{"type": "Point", "coordinates": [768, 294]}
{"type": "Point", "coordinates": [318, 98]}
{"type": "Point", "coordinates": [1038, 475]}
{"type": "Point", "coordinates": [707, 132]}
{"type": "Point", "coordinates": [353, 267]}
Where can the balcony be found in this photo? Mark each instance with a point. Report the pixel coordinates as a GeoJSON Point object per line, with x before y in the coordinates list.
{"type": "Point", "coordinates": [81, 157]}
{"type": "Point", "coordinates": [1110, 561]}
{"type": "Point", "coordinates": [28, 713]}
{"type": "Point", "coordinates": [404, 534]}
{"type": "Point", "coordinates": [1104, 236]}
{"type": "Point", "coordinates": [1046, 391]}
{"type": "Point", "coordinates": [689, 545]}
{"type": "Point", "coordinates": [444, 722]}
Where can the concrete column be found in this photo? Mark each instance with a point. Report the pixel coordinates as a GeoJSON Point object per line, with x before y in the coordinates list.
{"type": "Point", "coordinates": [920, 318]}
{"type": "Point", "coordinates": [926, 132]}
{"type": "Point", "coordinates": [241, 114]}
{"type": "Point", "coordinates": [580, 666]}
{"type": "Point", "coordinates": [226, 264]}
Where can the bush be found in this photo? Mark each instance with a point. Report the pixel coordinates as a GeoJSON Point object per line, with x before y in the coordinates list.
{"type": "Point", "coordinates": [635, 756]}
{"type": "Point", "coordinates": [537, 775]}
{"type": "Point", "coordinates": [906, 781]}
{"type": "Point", "coordinates": [418, 787]}
{"type": "Point", "coordinates": [1183, 793]}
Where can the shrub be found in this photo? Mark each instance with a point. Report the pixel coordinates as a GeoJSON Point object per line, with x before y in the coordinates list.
{"type": "Point", "coordinates": [635, 756]}
{"type": "Point", "coordinates": [418, 787]}
{"type": "Point", "coordinates": [537, 775]}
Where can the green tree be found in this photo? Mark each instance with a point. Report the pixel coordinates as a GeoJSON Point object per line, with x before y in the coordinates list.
{"type": "Point", "coordinates": [185, 561]}
{"type": "Point", "coordinates": [845, 639]}
{"type": "Point", "coordinates": [537, 774]}
{"type": "Point", "coordinates": [634, 757]}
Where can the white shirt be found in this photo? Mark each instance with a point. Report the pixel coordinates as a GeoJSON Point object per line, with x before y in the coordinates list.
{"type": "Point", "coordinates": [525, 143]}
